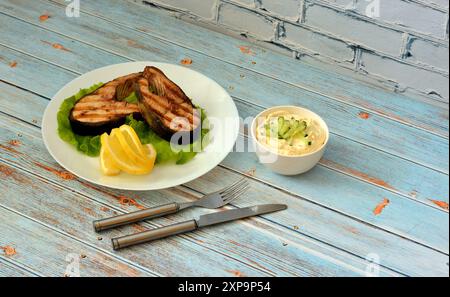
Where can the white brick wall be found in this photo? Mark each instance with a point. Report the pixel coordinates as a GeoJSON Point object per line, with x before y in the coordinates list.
{"type": "Point", "coordinates": [300, 38]}
{"type": "Point", "coordinates": [287, 9]}
{"type": "Point", "coordinates": [428, 53]}
{"type": "Point", "coordinates": [355, 30]}
{"type": "Point", "coordinates": [247, 22]}
{"type": "Point", "coordinates": [403, 74]}
{"type": "Point", "coordinates": [393, 41]}
{"type": "Point", "coordinates": [413, 16]}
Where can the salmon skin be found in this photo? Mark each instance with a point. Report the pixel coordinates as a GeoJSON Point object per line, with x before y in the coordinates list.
{"type": "Point", "coordinates": [100, 111]}
{"type": "Point", "coordinates": [166, 108]}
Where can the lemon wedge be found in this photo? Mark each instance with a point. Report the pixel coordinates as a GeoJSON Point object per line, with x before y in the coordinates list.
{"type": "Point", "coordinates": [107, 164]}
{"type": "Point", "coordinates": [150, 153]}
{"type": "Point", "coordinates": [126, 152]}
{"type": "Point", "coordinates": [130, 143]}
{"type": "Point", "coordinates": [133, 139]}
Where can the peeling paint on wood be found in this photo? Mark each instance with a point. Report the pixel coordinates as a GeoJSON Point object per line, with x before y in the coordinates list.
{"type": "Point", "coordinates": [60, 173]}
{"type": "Point", "coordinates": [251, 172]}
{"type": "Point", "coordinates": [44, 17]}
{"type": "Point", "coordinates": [380, 207]}
{"type": "Point", "coordinates": [135, 44]}
{"type": "Point", "coordinates": [246, 50]}
{"type": "Point", "coordinates": [364, 115]}
{"type": "Point", "coordinates": [6, 171]}
{"type": "Point", "coordinates": [358, 174]}
{"type": "Point", "coordinates": [9, 251]}
{"type": "Point", "coordinates": [138, 228]}
{"type": "Point", "coordinates": [10, 148]}
{"type": "Point", "coordinates": [104, 209]}
{"type": "Point", "coordinates": [14, 142]}
{"type": "Point", "coordinates": [124, 200]}
{"type": "Point", "coordinates": [57, 46]}
{"type": "Point", "coordinates": [236, 273]}
{"type": "Point", "coordinates": [186, 62]}
{"type": "Point", "coordinates": [441, 204]}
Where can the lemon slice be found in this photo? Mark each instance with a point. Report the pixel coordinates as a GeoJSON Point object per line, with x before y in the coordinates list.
{"type": "Point", "coordinates": [122, 159]}
{"type": "Point", "coordinates": [107, 164]}
{"type": "Point", "coordinates": [130, 145]}
{"type": "Point", "coordinates": [133, 139]}
{"type": "Point", "coordinates": [150, 152]}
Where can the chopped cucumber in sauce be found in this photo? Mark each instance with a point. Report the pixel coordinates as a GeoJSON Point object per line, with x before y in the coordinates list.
{"type": "Point", "coordinates": [288, 130]}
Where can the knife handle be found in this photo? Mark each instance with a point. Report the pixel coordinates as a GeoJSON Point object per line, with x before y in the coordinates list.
{"type": "Point", "coordinates": [150, 235]}
{"type": "Point", "coordinates": [136, 216]}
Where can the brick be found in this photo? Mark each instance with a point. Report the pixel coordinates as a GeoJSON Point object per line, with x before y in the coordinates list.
{"type": "Point", "coordinates": [429, 53]}
{"type": "Point", "coordinates": [247, 21]}
{"type": "Point", "coordinates": [361, 32]}
{"type": "Point", "coordinates": [300, 37]}
{"type": "Point", "coordinates": [286, 9]}
{"type": "Point", "coordinates": [440, 3]}
{"type": "Point", "coordinates": [406, 75]}
{"type": "Point", "coordinates": [410, 15]}
{"type": "Point", "coordinates": [202, 8]}
{"type": "Point", "coordinates": [351, 4]}
{"type": "Point", "coordinates": [344, 4]}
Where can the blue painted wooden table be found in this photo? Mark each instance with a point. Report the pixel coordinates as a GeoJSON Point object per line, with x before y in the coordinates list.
{"type": "Point", "coordinates": [376, 204]}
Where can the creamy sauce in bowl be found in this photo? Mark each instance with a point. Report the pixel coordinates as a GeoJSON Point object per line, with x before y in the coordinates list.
{"type": "Point", "coordinates": [290, 134]}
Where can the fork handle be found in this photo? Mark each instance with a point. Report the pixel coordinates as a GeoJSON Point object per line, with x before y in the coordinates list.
{"type": "Point", "coordinates": [154, 234]}
{"type": "Point", "coordinates": [136, 216]}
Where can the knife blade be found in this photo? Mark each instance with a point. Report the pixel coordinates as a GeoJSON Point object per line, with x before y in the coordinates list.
{"type": "Point", "coordinates": [236, 214]}
{"type": "Point", "coordinates": [188, 226]}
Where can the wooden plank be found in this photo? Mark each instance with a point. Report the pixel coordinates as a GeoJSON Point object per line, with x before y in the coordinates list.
{"type": "Point", "coordinates": [48, 251]}
{"type": "Point", "coordinates": [302, 216]}
{"type": "Point", "coordinates": [404, 227]}
{"type": "Point", "coordinates": [322, 81]}
{"type": "Point", "coordinates": [378, 132]}
{"type": "Point", "coordinates": [10, 269]}
{"type": "Point", "coordinates": [79, 213]}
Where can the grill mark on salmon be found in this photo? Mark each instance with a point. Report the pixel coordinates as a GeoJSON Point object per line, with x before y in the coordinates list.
{"type": "Point", "coordinates": [100, 112]}
{"type": "Point", "coordinates": [164, 87]}
{"type": "Point", "coordinates": [167, 109]}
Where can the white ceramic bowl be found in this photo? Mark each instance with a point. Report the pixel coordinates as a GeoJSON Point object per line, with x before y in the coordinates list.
{"type": "Point", "coordinates": [284, 164]}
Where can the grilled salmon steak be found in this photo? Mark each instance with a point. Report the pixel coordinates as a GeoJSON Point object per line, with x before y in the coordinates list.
{"type": "Point", "coordinates": [100, 111]}
{"type": "Point", "coordinates": [166, 108]}
{"type": "Point", "coordinates": [162, 103]}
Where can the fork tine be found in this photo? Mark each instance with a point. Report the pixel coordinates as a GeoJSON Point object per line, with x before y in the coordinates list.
{"type": "Point", "coordinates": [233, 186]}
{"type": "Point", "coordinates": [231, 197]}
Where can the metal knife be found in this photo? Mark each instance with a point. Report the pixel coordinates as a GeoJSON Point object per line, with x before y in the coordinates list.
{"type": "Point", "coordinates": [188, 226]}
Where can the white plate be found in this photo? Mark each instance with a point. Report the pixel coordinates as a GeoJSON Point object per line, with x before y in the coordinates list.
{"type": "Point", "coordinates": [202, 90]}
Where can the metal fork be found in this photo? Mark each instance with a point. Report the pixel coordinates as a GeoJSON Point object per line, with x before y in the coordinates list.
{"type": "Point", "coordinates": [210, 201]}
